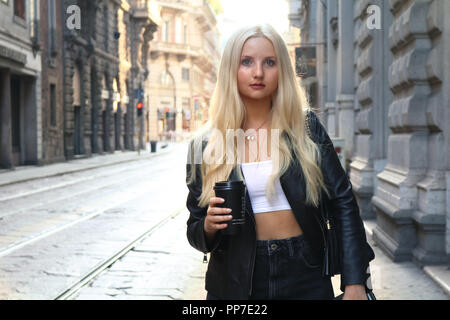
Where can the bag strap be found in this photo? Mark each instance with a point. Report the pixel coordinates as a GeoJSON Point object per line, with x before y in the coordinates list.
{"type": "Point", "coordinates": [323, 210]}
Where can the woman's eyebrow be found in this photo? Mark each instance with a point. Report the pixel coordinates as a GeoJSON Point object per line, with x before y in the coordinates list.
{"type": "Point", "coordinates": [269, 57]}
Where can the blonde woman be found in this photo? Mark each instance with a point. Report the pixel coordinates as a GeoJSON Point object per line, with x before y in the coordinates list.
{"type": "Point", "coordinates": [261, 131]}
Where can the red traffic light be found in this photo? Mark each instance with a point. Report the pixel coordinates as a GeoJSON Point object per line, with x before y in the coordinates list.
{"type": "Point", "coordinates": [139, 105]}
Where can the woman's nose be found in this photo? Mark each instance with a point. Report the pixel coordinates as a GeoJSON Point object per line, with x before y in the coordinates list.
{"type": "Point", "coordinates": [258, 72]}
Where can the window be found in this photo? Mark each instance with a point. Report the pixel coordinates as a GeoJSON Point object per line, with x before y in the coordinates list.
{"type": "Point", "coordinates": [53, 105]}
{"type": "Point", "coordinates": [33, 5]}
{"type": "Point", "coordinates": [19, 8]}
{"type": "Point", "coordinates": [185, 34]}
{"type": "Point", "coordinates": [165, 79]}
{"type": "Point", "coordinates": [185, 74]}
{"type": "Point", "coordinates": [52, 35]}
{"type": "Point", "coordinates": [165, 31]}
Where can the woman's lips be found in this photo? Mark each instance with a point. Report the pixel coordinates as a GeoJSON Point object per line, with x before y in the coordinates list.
{"type": "Point", "coordinates": [257, 86]}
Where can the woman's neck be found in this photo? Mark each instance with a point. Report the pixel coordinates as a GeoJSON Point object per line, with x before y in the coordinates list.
{"type": "Point", "coordinates": [256, 113]}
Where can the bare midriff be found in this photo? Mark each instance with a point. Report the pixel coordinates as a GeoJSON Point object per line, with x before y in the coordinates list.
{"type": "Point", "coordinates": [272, 225]}
{"type": "Point", "coordinates": [276, 225]}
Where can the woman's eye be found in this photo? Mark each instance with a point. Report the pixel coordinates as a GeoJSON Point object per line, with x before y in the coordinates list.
{"type": "Point", "coordinates": [245, 62]}
{"type": "Point", "coordinates": [270, 62]}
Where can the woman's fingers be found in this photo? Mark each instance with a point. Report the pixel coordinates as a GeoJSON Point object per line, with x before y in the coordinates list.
{"type": "Point", "coordinates": [213, 210]}
{"type": "Point", "coordinates": [217, 210]}
{"type": "Point", "coordinates": [217, 216]}
{"type": "Point", "coordinates": [220, 218]}
{"type": "Point", "coordinates": [214, 200]}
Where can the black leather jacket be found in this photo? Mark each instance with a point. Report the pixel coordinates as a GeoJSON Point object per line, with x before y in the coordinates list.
{"type": "Point", "coordinates": [230, 269]}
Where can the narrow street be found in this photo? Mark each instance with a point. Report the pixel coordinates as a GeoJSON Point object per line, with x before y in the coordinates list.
{"type": "Point", "coordinates": [55, 231]}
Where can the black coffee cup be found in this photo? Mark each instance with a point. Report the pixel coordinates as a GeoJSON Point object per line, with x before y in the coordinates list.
{"type": "Point", "coordinates": [233, 192]}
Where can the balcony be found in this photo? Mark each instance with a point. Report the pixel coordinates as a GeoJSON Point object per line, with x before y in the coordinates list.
{"type": "Point", "coordinates": [144, 9]}
{"type": "Point", "coordinates": [206, 17]}
{"type": "Point", "coordinates": [177, 5]}
{"type": "Point", "coordinates": [181, 50]}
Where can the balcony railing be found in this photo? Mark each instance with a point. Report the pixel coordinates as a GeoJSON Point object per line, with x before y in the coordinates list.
{"type": "Point", "coordinates": [174, 48]}
{"type": "Point", "coordinates": [146, 9]}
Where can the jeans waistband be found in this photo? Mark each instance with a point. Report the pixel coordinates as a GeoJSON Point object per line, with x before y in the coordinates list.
{"type": "Point", "coordinates": [267, 247]}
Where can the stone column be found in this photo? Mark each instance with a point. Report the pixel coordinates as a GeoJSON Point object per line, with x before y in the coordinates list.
{"type": "Point", "coordinates": [31, 91]}
{"type": "Point", "coordinates": [430, 215]}
{"type": "Point", "coordinates": [409, 199]}
{"type": "Point", "coordinates": [331, 67]}
{"type": "Point", "coordinates": [446, 102]}
{"type": "Point", "coordinates": [87, 109]}
{"type": "Point", "coordinates": [321, 64]}
{"type": "Point", "coordinates": [5, 120]}
{"type": "Point", "coordinates": [345, 76]}
{"type": "Point", "coordinates": [373, 58]}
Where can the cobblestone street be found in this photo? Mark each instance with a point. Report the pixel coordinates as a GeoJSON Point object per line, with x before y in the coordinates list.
{"type": "Point", "coordinates": [163, 266]}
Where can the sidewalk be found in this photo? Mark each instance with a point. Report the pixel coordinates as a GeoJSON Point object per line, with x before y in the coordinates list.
{"type": "Point", "coordinates": [405, 280]}
{"type": "Point", "coordinates": [27, 173]}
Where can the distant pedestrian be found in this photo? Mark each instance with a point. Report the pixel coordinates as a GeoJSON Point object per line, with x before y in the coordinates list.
{"type": "Point", "coordinates": [279, 253]}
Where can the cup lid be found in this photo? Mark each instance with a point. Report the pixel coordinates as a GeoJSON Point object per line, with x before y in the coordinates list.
{"type": "Point", "coordinates": [228, 184]}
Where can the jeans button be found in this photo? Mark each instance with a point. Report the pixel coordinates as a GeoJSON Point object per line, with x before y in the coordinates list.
{"type": "Point", "coordinates": [273, 246]}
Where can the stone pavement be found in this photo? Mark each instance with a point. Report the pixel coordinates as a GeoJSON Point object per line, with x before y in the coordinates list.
{"type": "Point", "coordinates": [405, 280]}
{"type": "Point", "coordinates": [162, 267]}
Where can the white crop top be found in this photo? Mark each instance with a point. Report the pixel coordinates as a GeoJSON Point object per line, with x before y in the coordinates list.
{"type": "Point", "coordinates": [256, 175]}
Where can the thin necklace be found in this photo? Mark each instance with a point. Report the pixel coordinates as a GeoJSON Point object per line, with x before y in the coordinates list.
{"type": "Point", "coordinates": [253, 136]}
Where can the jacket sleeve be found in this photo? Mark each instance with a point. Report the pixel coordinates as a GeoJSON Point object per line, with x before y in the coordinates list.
{"type": "Point", "coordinates": [355, 251]}
{"type": "Point", "coordinates": [195, 224]}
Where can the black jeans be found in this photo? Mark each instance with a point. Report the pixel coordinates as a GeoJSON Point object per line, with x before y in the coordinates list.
{"type": "Point", "coordinates": [287, 269]}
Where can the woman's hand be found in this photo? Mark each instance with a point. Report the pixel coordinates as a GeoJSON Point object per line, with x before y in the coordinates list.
{"type": "Point", "coordinates": [355, 292]}
{"type": "Point", "coordinates": [216, 217]}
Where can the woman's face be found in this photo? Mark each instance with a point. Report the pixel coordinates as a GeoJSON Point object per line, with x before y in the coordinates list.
{"type": "Point", "coordinates": [258, 71]}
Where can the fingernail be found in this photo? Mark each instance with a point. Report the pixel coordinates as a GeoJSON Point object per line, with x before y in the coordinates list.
{"type": "Point", "coordinates": [228, 210]}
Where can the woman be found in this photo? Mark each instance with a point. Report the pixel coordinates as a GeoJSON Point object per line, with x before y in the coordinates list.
{"type": "Point", "coordinates": [278, 254]}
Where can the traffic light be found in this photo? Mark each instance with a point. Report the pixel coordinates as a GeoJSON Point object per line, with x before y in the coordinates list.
{"type": "Point", "coordinates": [139, 107]}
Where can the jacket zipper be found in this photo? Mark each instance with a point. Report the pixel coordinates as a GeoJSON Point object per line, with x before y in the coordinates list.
{"type": "Point", "coordinates": [323, 232]}
{"type": "Point", "coordinates": [252, 260]}
{"type": "Point", "coordinates": [321, 229]}
{"type": "Point", "coordinates": [252, 218]}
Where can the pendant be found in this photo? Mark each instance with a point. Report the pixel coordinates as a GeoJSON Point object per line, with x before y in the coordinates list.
{"type": "Point", "coordinates": [250, 138]}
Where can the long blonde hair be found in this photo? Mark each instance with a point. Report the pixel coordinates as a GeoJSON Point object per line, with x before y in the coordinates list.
{"type": "Point", "coordinates": [227, 111]}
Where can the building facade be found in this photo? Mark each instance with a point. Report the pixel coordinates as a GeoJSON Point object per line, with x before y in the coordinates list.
{"type": "Point", "coordinates": [20, 84]}
{"type": "Point", "coordinates": [103, 69]}
{"type": "Point", "coordinates": [383, 87]}
{"type": "Point", "coordinates": [71, 73]}
{"type": "Point", "coordinates": [184, 59]}
{"type": "Point", "coordinates": [51, 43]}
